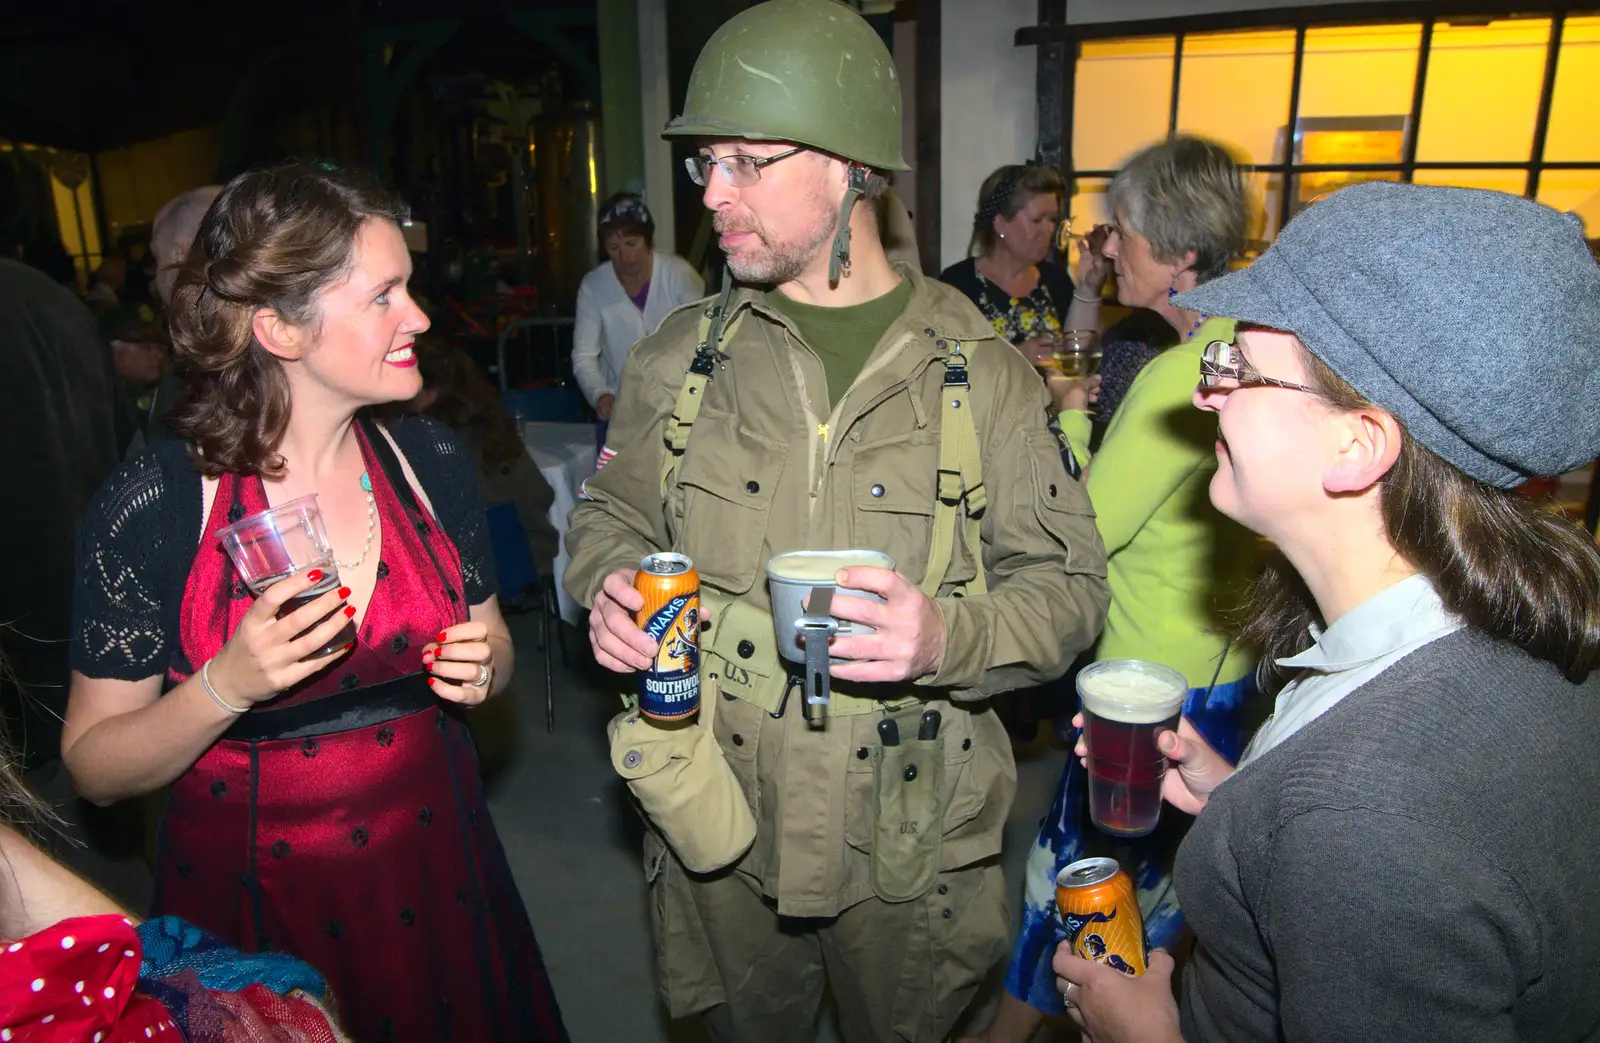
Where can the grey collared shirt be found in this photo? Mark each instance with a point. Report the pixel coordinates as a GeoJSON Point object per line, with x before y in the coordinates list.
{"type": "Point", "coordinates": [1359, 646]}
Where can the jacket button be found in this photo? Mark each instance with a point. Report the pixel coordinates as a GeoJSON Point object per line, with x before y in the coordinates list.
{"type": "Point", "coordinates": [752, 487]}
{"type": "Point", "coordinates": [738, 740]}
{"type": "Point", "coordinates": [911, 773]}
{"type": "Point", "coordinates": [928, 332]}
{"type": "Point", "coordinates": [632, 759]}
{"type": "Point", "coordinates": [944, 889]}
{"type": "Point", "coordinates": [862, 753]}
{"type": "Point", "coordinates": [1052, 489]}
{"type": "Point", "coordinates": [938, 343]}
{"type": "Point", "coordinates": [877, 490]}
{"type": "Point", "coordinates": [966, 744]}
{"type": "Point", "coordinates": [947, 914]}
{"type": "Point", "coordinates": [729, 696]}
{"type": "Point", "coordinates": [746, 649]}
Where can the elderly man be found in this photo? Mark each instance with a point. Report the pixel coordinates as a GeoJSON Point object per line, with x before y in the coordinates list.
{"type": "Point", "coordinates": [807, 407]}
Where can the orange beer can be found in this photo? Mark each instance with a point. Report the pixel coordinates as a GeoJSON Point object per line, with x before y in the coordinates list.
{"type": "Point", "coordinates": [670, 689]}
{"type": "Point", "coordinates": [1101, 913]}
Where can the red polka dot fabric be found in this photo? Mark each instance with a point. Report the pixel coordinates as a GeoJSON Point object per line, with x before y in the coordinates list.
{"type": "Point", "coordinates": [76, 981]}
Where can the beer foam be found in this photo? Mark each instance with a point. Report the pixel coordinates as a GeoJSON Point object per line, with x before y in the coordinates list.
{"type": "Point", "coordinates": [1130, 696]}
{"type": "Point", "coordinates": [822, 566]}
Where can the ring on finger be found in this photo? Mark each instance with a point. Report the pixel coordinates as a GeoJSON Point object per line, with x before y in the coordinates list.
{"type": "Point", "coordinates": [1066, 995]}
{"type": "Point", "coordinates": [483, 676]}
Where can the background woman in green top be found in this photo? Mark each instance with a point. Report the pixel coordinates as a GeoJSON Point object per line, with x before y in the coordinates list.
{"type": "Point", "coordinates": [1174, 563]}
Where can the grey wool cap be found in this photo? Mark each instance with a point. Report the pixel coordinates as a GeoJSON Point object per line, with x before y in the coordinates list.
{"type": "Point", "coordinates": [1472, 316]}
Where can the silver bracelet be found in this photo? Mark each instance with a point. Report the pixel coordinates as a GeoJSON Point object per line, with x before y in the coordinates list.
{"type": "Point", "coordinates": [1087, 300]}
{"type": "Point", "coordinates": [205, 681]}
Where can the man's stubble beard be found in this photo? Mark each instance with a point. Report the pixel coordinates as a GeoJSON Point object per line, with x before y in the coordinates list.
{"type": "Point", "coordinates": [782, 262]}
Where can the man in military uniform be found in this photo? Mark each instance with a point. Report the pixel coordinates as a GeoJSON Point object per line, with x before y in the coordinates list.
{"type": "Point", "coordinates": [830, 401]}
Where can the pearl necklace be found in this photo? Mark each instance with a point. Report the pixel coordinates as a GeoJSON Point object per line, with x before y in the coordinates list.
{"type": "Point", "coordinates": [372, 522]}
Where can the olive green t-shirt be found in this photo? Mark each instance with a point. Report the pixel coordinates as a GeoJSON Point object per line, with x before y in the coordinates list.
{"type": "Point", "coordinates": [843, 337]}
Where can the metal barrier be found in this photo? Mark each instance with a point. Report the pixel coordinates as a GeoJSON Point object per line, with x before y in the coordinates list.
{"type": "Point", "coordinates": [561, 363]}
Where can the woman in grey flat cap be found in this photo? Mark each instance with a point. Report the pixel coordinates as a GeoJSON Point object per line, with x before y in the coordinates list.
{"type": "Point", "coordinates": [1406, 848]}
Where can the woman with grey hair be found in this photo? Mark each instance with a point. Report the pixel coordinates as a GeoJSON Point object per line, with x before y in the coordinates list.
{"type": "Point", "coordinates": [1174, 565]}
{"type": "Point", "coordinates": [1170, 201]}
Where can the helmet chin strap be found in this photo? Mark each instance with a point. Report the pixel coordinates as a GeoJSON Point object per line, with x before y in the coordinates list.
{"type": "Point", "coordinates": [840, 262]}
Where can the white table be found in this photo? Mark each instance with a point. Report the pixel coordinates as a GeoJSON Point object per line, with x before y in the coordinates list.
{"type": "Point", "coordinates": [565, 455]}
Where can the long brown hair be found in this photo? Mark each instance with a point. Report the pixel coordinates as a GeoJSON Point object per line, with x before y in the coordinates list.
{"type": "Point", "coordinates": [274, 238]}
{"type": "Point", "coordinates": [464, 400]}
{"type": "Point", "coordinates": [1509, 566]}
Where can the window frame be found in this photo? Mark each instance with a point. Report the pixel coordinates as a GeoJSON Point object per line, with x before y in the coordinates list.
{"type": "Point", "coordinates": [1057, 98]}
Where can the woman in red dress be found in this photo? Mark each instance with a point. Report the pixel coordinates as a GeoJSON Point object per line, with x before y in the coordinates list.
{"type": "Point", "coordinates": [331, 809]}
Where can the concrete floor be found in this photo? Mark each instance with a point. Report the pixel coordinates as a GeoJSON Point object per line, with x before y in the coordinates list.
{"type": "Point", "coordinates": [573, 841]}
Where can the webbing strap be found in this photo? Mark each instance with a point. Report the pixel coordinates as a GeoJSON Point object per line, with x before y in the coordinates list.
{"type": "Point", "coordinates": [961, 498]}
{"type": "Point", "coordinates": [706, 353]}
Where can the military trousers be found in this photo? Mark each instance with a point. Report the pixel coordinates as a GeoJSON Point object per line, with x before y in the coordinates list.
{"type": "Point", "coordinates": [899, 972]}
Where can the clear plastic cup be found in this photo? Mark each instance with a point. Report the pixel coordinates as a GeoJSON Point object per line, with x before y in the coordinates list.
{"type": "Point", "coordinates": [1127, 703]}
{"type": "Point", "coordinates": [284, 541]}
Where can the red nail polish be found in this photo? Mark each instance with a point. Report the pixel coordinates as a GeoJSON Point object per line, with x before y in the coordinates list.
{"type": "Point", "coordinates": [344, 592]}
{"type": "Point", "coordinates": [314, 575]}
{"type": "Point", "coordinates": [430, 682]}
{"type": "Point", "coordinates": [350, 610]}
{"type": "Point", "coordinates": [442, 638]}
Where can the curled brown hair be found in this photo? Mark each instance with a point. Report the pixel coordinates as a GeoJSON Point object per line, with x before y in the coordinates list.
{"type": "Point", "coordinates": [274, 238]}
{"type": "Point", "coordinates": [1509, 566]}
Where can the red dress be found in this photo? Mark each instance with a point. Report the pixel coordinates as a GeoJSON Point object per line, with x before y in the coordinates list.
{"type": "Point", "coordinates": [345, 822]}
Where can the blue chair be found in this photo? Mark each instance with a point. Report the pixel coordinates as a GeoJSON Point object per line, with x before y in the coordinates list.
{"type": "Point", "coordinates": [521, 588]}
{"type": "Point", "coordinates": [560, 403]}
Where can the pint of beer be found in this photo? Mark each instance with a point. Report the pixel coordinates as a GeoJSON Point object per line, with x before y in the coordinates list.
{"type": "Point", "coordinates": [1126, 704]}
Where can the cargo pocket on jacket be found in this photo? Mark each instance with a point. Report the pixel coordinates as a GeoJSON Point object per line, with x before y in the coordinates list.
{"type": "Point", "coordinates": [904, 825]}
{"type": "Point", "coordinates": [908, 815]}
{"type": "Point", "coordinates": [893, 485]}
{"type": "Point", "coordinates": [729, 475]}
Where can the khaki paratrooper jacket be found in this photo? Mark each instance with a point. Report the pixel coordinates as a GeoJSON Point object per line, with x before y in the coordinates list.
{"type": "Point", "coordinates": [771, 468]}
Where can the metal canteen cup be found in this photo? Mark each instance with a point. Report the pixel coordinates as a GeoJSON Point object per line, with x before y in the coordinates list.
{"type": "Point", "coordinates": [803, 590]}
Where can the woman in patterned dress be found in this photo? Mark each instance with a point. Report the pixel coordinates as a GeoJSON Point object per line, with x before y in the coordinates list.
{"type": "Point", "coordinates": [331, 807]}
{"type": "Point", "coordinates": [1027, 298]}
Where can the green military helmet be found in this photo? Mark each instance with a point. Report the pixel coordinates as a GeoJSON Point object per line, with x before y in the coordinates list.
{"type": "Point", "coordinates": [808, 71]}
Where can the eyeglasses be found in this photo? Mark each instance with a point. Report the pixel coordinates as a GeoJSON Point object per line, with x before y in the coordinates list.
{"type": "Point", "coordinates": [741, 171]}
{"type": "Point", "coordinates": [1223, 361]}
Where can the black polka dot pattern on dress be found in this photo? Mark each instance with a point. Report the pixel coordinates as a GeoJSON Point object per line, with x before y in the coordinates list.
{"type": "Point", "coordinates": [383, 570]}
{"type": "Point", "coordinates": [309, 748]}
{"type": "Point", "coordinates": [219, 789]}
{"type": "Point", "coordinates": [399, 643]}
{"type": "Point", "coordinates": [280, 849]}
{"type": "Point", "coordinates": [238, 590]}
{"type": "Point", "coordinates": [386, 1028]}
{"type": "Point", "coordinates": [358, 837]}
{"type": "Point", "coordinates": [235, 512]}
{"type": "Point", "coordinates": [385, 736]}
{"type": "Point", "coordinates": [408, 916]}
{"type": "Point", "coordinates": [186, 870]}
{"type": "Point", "coordinates": [333, 929]}
{"type": "Point", "coordinates": [461, 896]}
{"type": "Point", "coordinates": [425, 816]}
{"type": "Point", "coordinates": [348, 681]}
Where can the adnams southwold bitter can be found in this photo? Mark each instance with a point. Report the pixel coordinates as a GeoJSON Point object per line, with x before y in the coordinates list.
{"type": "Point", "coordinates": [1101, 914]}
{"type": "Point", "coordinates": [670, 689]}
